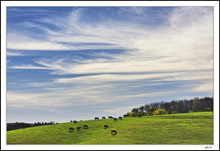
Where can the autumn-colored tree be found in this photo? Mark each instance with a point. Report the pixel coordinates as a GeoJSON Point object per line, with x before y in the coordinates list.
{"type": "Point", "coordinates": [159, 112]}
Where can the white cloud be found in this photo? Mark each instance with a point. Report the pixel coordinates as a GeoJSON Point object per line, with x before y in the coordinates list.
{"type": "Point", "coordinates": [14, 54]}
{"type": "Point", "coordinates": [187, 46]}
{"type": "Point", "coordinates": [133, 10]}
{"type": "Point", "coordinates": [120, 110]}
{"type": "Point", "coordinates": [28, 67]}
{"type": "Point", "coordinates": [176, 76]}
{"type": "Point", "coordinates": [53, 100]}
{"type": "Point", "coordinates": [206, 87]}
{"type": "Point", "coordinates": [190, 16]}
{"type": "Point", "coordinates": [181, 51]}
{"type": "Point", "coordinates": [111, 78]}
{"type": "Point", "coordinates": [55, 97]}
{"type": "Point", "coordinates": [22, 42]}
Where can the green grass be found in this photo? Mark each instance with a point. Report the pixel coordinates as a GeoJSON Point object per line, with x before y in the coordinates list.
{"type": "Point", "coordinates": [187, 128]}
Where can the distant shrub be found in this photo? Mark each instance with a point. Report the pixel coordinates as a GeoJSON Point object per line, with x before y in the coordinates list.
{"type": "Point", "coordinates": [207, 109]}
{"type": "Point", "coordinates": [130, 114]}
{"type": "Point", "coordinates": [169, 112]}
{"type": "Point", "coordinates": [174, 112]}
{"type": "Point", "coordinates": [160, 111]}
{"type": "Point", "coordinates": [150, 113]}
{"type": "Point", "coordinates": [140, 114]}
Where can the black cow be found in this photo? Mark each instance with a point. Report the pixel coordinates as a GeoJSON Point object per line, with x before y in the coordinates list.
{"type": "Point", "coordinates": [78, 128]}
{"type": "Point", "coordinates": [120, 118]}
{"type": "Point", "coordinates": [71, 129]}
{"type": "Point", "coordinates": [103, 117]}
{"type": "Point", "coordinates": [110, 117]}
{"type": "Point", "coordinates": [113, 132]}
{"type": "Point", "coordinates": [96, 118]}
{"type": "Point", "coordinates": [105, 126]}
{"type": "Point", "coordinates": [71, 121]}
{"type": "Point", "coordinates": [75, 122]}
{"type": "Point", "coordinates": [85, 126]}
{"type": "Point", "coordinates": [115, 119]}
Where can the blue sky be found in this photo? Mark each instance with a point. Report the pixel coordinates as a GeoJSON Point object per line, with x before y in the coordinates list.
{"type": "Point", "coordinates": [75, 63]}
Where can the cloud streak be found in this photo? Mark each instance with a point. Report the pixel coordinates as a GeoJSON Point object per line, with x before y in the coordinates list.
{"type": "Point", "coordinates": [120, 61]}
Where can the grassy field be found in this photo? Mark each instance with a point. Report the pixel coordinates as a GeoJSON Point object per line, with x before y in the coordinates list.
{"type": "Point", "coordinates": [187, 128]}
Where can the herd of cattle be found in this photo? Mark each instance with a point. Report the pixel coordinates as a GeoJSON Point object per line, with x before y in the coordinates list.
{"type": "Point", "coordinates": [113, 132]}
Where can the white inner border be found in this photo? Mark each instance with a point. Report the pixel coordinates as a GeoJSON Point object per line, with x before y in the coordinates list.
{"type": "Point", "coordinates": [4, 4]}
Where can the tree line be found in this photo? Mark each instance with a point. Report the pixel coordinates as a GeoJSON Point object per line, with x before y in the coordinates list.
{"type": "Point", "coordinates": [19, 125]}
{"type": "Point", "coordinates": [173, 107]}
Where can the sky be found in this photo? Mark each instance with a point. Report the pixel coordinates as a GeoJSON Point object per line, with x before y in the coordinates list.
{"type": "Point", "coordinates": [77, 63]}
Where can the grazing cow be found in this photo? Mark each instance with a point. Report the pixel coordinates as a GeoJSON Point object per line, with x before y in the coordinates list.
{"type": "Point", "coordinates": [139, 115]}
{"type": "Point", "coordinates": [105, 126]}
{"type": "Point", "coordinates": [78, 128]}
{"type": "Point", "coordinates": [96, 118]}
{"type": "Point", "coordinates": [75, 122]}
{"type": "Point", "coordinates": [120, 118]}
{"type": "Point", "coordinates": [113, 132]}
{"type": "Point", "coordinates": [110, 117]}
{"type": "Point", "coordinates": [115, 119]}
{"type": "Point", "coordinates": [125, 115]}
{"type": "Point", "coordinates": [71, 129]}
{"type": "Point", "coordinates": [85, 126]}
{"type": "Point", "coordinates": [103, 117]}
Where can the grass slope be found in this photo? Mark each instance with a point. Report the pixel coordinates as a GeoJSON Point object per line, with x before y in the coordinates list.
{"type": "Point", "coordinates": [188, 128]}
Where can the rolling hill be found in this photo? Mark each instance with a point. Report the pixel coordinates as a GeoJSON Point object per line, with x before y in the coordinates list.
{"type": "Point", "coordinates": [187, 128]}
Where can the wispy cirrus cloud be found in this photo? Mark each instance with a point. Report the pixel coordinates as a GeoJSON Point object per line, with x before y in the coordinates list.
{"type": "Point", "coordinates": [29, 67]}
{"type": "Point", "coordinates": [120, 110]}
{"type": "Point", "coordinates": [114, 60]}
{"type": "Point", "coordinates": [180, 46]}
{"type": "Point", "coordinates": [14, 54]}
